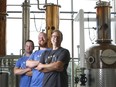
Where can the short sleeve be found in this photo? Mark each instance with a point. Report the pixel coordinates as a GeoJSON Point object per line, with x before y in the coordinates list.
{"type": "Point", "coordinates": [64, 56]}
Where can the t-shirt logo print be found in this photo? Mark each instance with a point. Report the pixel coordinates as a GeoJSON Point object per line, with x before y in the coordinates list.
{"type": "Point", "coordinates": [51, 58]}
{"type": "Point", "coordinates": [38, 57]}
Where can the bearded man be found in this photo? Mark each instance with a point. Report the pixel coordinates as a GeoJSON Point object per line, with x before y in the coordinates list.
{"type": "Point", "coordinates": [37, 77]}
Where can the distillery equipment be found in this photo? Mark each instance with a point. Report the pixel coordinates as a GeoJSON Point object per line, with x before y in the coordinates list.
{"type": "Point", "coordinates": [25, 22]}
{"type": "Point", "coordinates": [51, 19]}
{"type": "Point", "coordinates": [3, 28]}
{"type": "Point", "coordinates": [101, 57]}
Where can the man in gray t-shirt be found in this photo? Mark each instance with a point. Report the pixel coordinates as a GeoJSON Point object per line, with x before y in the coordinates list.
{"type": "Point", "coordinates": [54, 63]}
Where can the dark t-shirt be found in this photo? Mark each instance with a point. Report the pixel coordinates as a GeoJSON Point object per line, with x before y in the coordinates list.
{"type": "Point", "coordinates": [55, 78]}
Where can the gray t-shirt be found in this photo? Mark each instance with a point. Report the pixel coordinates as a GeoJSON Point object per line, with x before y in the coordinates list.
{"type": "Point", "coordinates": [55, 78]}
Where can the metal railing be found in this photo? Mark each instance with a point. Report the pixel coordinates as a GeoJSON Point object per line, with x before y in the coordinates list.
{"type": "Point", "coordinates": [7, 63]}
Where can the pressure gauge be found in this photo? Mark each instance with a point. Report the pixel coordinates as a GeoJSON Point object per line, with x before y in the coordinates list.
{"type": "Point", "coordinates": [108, 56]}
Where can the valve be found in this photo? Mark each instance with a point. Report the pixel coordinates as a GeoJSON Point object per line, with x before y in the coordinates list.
{"type": "Point", "coordinates": [83, 80]}
{"type": "Point", "coordinates": [76, 80]}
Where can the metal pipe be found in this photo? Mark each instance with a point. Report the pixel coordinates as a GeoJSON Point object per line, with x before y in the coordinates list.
{"type": "Point", "coordinates": [82, 46]}
{"type": "Point", "coordinates": [72, 37]}
{"type": "Point", "coordinates": [39, 4]}
{"type": "Point", "coordinates": [25, 21]}
{"type": "Point", "coordinates": [80, 18]}
{"type": "Point", "coordinates": [114, 23]}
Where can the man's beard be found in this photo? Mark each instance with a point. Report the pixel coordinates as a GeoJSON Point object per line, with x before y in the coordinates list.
{"type": "Point", "coordinates": [43, 45]}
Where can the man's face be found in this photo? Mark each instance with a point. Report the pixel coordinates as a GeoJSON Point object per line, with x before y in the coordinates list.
{"type": "Point", "coordinates": [42, 40]}
{"type": "Point", "coordinates": [29, 47]}
{"type": "Point", "coordinates": [56, 38]}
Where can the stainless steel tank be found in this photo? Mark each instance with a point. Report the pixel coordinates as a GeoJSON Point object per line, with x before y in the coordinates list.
{"type": "Point", "coordinates": [101, 57]}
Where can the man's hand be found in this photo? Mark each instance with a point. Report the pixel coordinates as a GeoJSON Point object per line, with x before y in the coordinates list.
{"type": "Point", "coordinates": [39, 67]}
{"type": "Point", "coordinates": [29, 73]}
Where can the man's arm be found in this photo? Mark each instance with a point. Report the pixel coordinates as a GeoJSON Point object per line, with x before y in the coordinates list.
{"type": "Point", "coordinates": [19, 71]}
{"type": "Point", "coordinates": [55, 66]}
{"type": "Point", "coordinates": [29, 73]}
{"type": "Point", "coordinates": [31, 63]}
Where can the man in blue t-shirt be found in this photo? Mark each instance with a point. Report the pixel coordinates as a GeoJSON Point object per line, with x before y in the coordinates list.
{"type": "Point", "coordinates": [20, 66]}
{"type": "Point", "coordinates": [37, 77]}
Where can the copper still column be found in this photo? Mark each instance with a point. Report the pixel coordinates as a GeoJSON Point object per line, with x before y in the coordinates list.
{"type": "Point", "coordinates": [101, 57]}
{"type": "Point", "coordinates": [52, 20]}
{"type": "Point", "coordinates": [2, 27]}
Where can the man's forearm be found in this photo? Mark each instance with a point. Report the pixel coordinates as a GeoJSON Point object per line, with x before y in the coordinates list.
{"type": "Point", "coordinates": [19, 71]}
{"type": "Point", "coordinates": [56, 66]}
{"type": "Point", "coordinates": [31, 63]}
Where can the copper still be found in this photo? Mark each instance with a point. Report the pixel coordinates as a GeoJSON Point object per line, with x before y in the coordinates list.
{"type": "Point", "coordinates": [101, 57]}
{"type": "Point", "coordinates": [3, 27]}
{"type": "Point", "coordinates": [52, 20]}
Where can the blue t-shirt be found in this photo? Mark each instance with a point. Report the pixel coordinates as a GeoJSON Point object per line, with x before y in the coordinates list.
{"type": "Point", "coordinates": [24, 80]}
{"type": "Point", "coordinates": [37, 77]}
